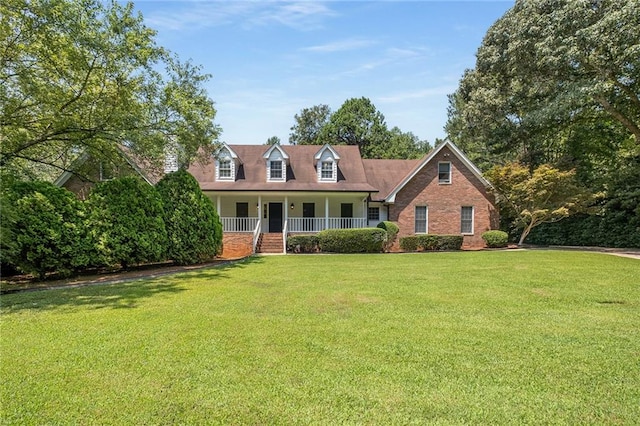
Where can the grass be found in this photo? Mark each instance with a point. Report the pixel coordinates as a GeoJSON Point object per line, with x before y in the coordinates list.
{"type": "Point", "coordinates": [439, 338]}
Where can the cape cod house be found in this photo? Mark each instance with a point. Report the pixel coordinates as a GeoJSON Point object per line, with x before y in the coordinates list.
{"type": "Point", "coordinates": [265, 193]}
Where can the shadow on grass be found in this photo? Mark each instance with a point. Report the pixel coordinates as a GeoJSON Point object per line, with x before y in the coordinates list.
{"type": "Point", "coordinates": [116, 294]}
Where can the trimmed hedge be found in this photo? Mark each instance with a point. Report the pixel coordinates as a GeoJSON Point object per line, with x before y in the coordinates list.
{"type": "Point", "coordinates": [392, 232]}
{"type": "Point", "coordinates": [193, 226]}
{"type": "Point", "coordinates": [126, 222]}
{"type": "Point", "coordinates": [48, 227]}
{"type": "Point", "coordinates": [357, 240]}
{"type": "Point", "coordinates": [495, 238]}
{"type": "Point", "coordinates": [303, 244]}
{"type": "Point", "coordinates": [431, 242]}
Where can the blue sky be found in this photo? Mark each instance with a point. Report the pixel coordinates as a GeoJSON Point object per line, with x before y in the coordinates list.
{"type": "Point", "coordinates": [271, 59]}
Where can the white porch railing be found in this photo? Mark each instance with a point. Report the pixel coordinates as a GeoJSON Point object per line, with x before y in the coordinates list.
{"type": "Point", "coordinates": [317, 224]}
{"type": "Point", "coordinates": [239, 224]}
{"type": "Point", "coordinates": [256, 235]}
{"type": "Point", "coordinates": [285, 232]}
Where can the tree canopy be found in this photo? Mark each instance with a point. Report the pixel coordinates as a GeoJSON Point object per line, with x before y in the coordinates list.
{"type": "Point", "coordinates": [554, 82]}
{"type": "Point", "coordinates": [88, 76]}
{"type": "Point", "coordinates": [356, 122]}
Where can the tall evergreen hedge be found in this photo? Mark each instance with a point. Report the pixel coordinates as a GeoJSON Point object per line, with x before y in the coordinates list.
{"type": "Point", "coordinates": [47, 224]}
{"type": "Point", "coordinates": [126, 222]}
{"type": "Point", "coordinates": [193, 226]}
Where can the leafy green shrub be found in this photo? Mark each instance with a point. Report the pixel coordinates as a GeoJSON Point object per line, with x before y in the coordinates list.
{"type": "Point", "coordinates": [48, 228]}
{"type": "Point", "coordinates": [357, 240]}
{"type": "Point", "coordinates": [303, 243]}
{"type": "Point", "coordinates": [495, 238]}
{"type": "Point", "coordinates": [410, 243]}
{"type": "Point", "coordinates": [449, 242]}
{"type": "Point", "coordinates": [126, 222]}
{"type": "Point", "coordinates": [193, 227]}
{"type": "Point", "coordinates": [392, 232]}
{"type": "Point", "coordinates": [430, 242]}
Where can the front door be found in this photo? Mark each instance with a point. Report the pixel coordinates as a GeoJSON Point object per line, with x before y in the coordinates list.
{"type": "Point", "coordinates": [275, 217]}
{"type": "Point", "coordinates": [346, 213]}
{"type": "Point", "coordinates": [308, 213]}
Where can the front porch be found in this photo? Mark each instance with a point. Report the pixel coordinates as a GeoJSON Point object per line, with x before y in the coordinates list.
{"type": "Point", "coordinates": [246, 217]}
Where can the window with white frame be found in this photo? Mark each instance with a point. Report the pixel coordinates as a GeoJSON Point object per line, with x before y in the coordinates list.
{"type": "Point", "coordinates": [466, 220]}
{"type": "Point", "coordinates": [327, 170]}
{"type": "Point", "coordinates": [275, 170]}
{"type": "Point", "coordinates": [444, 172]}
{"type": "Point", "coordinates": [224, 169]}
{"type": "Point", "coordinates": [373, 213]}
{"type": "Point", "coordinates": [421, 219]}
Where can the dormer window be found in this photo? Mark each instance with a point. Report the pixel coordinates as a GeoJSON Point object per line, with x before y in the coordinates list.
{"type": "Point", "coordinates": [326, 173]}
{"type": "Point", "coordinates": [275, 170]}
{"type": "Point", "coordinates": [276, 163]}
{"type": "Point", "coordinates": [224, 169]}
{"type": "Point", "coordinates": [226, 163]}
{"type": "Point", "coordinates": [327, 164]}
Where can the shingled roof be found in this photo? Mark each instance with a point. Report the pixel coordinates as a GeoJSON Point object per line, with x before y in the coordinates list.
{"type": "Point", "coordinates": [385, 175]}
{"type": "Point", "coordinates": [301, 171]}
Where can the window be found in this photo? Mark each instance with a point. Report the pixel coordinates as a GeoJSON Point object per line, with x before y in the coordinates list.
{"type": "Point", "coordinates": [327, 170]}
{"type": "Point", "coordinates": [466, 220]}
{"type": "Point", "coordinates": [224, 169]}
{"type": "Point", "coordinates": [373, 213]}
{"type": "Point", "coordinates": [444, 172]}
{"type": "Point", "coordinates": [106, 172]}
{"type": "Point", "coordinates": [275, 170]}
{"type": "Point", "coordinates": [421, 220]}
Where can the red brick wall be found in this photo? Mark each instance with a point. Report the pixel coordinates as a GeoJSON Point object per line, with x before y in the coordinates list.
{"type": "Point", "coordinates": [235, 245]}
{"type": "Point", "coordinates": [444, 201]}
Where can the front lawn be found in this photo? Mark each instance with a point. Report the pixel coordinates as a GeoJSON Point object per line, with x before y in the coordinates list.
{"type": "Point", "coordinates": [447, 338]}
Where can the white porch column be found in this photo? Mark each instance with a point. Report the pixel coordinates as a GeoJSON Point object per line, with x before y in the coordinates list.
{"type": "Point", "coordinates": [218, 205]}
{"type": "Point", "coordinates": [260, 210]}
{"type": "Point", "coordinates": [326, 212]}
{"type": "Point", "coordinates": [286, 208]}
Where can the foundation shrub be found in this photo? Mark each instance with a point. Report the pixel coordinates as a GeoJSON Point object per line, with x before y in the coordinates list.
{"type": "Point", "coordinates": [357, 240]}
{"type": "Point", "coordinates": [392, 232]}
{"type": "Point", "coordinates": [303, 244]}
{"type": "Point", "coordinates": [495, 238]}
{"type": "Point", "coordinates": [431, 242]}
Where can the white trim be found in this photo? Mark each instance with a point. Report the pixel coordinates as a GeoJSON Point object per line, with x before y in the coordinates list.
{"type": "Point", "coordinates": [283, 153]}
{"type": "Point", "coordinates": [325, 147]}
{"type": "Point", "coordinates": [426, 214]}
{"type": "Point", "coordinates": [391, 198]}
{"type": "Point", "coordinates": [449, 179]}
{"type": "Point", "coordinates": [231, 152]}
{"type": "Point", "coordinates": [473, 220]}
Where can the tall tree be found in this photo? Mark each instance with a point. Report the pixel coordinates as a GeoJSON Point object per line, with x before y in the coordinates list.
{"type": "Point", "coordinates": [550, 75]}
{"type": "Point", "coordinates": [87, 76]}
{"type": "Point", "coordinates": [309, 124]}
{"type": "Point", "coordinates": [357, 122]}
{"type": "Point", "coordinates": [273, 140]}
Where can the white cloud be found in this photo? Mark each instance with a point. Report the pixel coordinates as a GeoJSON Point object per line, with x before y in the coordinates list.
{"type": "Point", "coordinates": [340, 46]}
{"type": "Point", "coordinates": [418, 94]}
{"type": "Point", "coordinates": [246, 14]}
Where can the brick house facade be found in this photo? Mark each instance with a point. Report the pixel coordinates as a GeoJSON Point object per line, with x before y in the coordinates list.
{"type": "Point", "coordinates": [444, 202]}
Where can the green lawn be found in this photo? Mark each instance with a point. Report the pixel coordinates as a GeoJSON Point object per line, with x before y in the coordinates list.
{"type": "Point", "coordinates": [496, 337]}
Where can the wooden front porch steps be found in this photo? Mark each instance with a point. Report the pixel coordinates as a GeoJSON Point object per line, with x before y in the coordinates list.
{"type": "Point", "coordinates": [270, 242]}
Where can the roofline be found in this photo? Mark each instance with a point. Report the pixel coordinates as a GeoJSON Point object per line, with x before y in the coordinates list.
{"type": "Point", "coordinates": [279, 148]}
{"type": "Point", "coordinates": [391, 198]}
{"type": "Point", "coordinates": [64, 177]}
{"type": "Point", "coordinates": [231, 151]}
{"type": "Point", "coordinates": [325, 147]}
